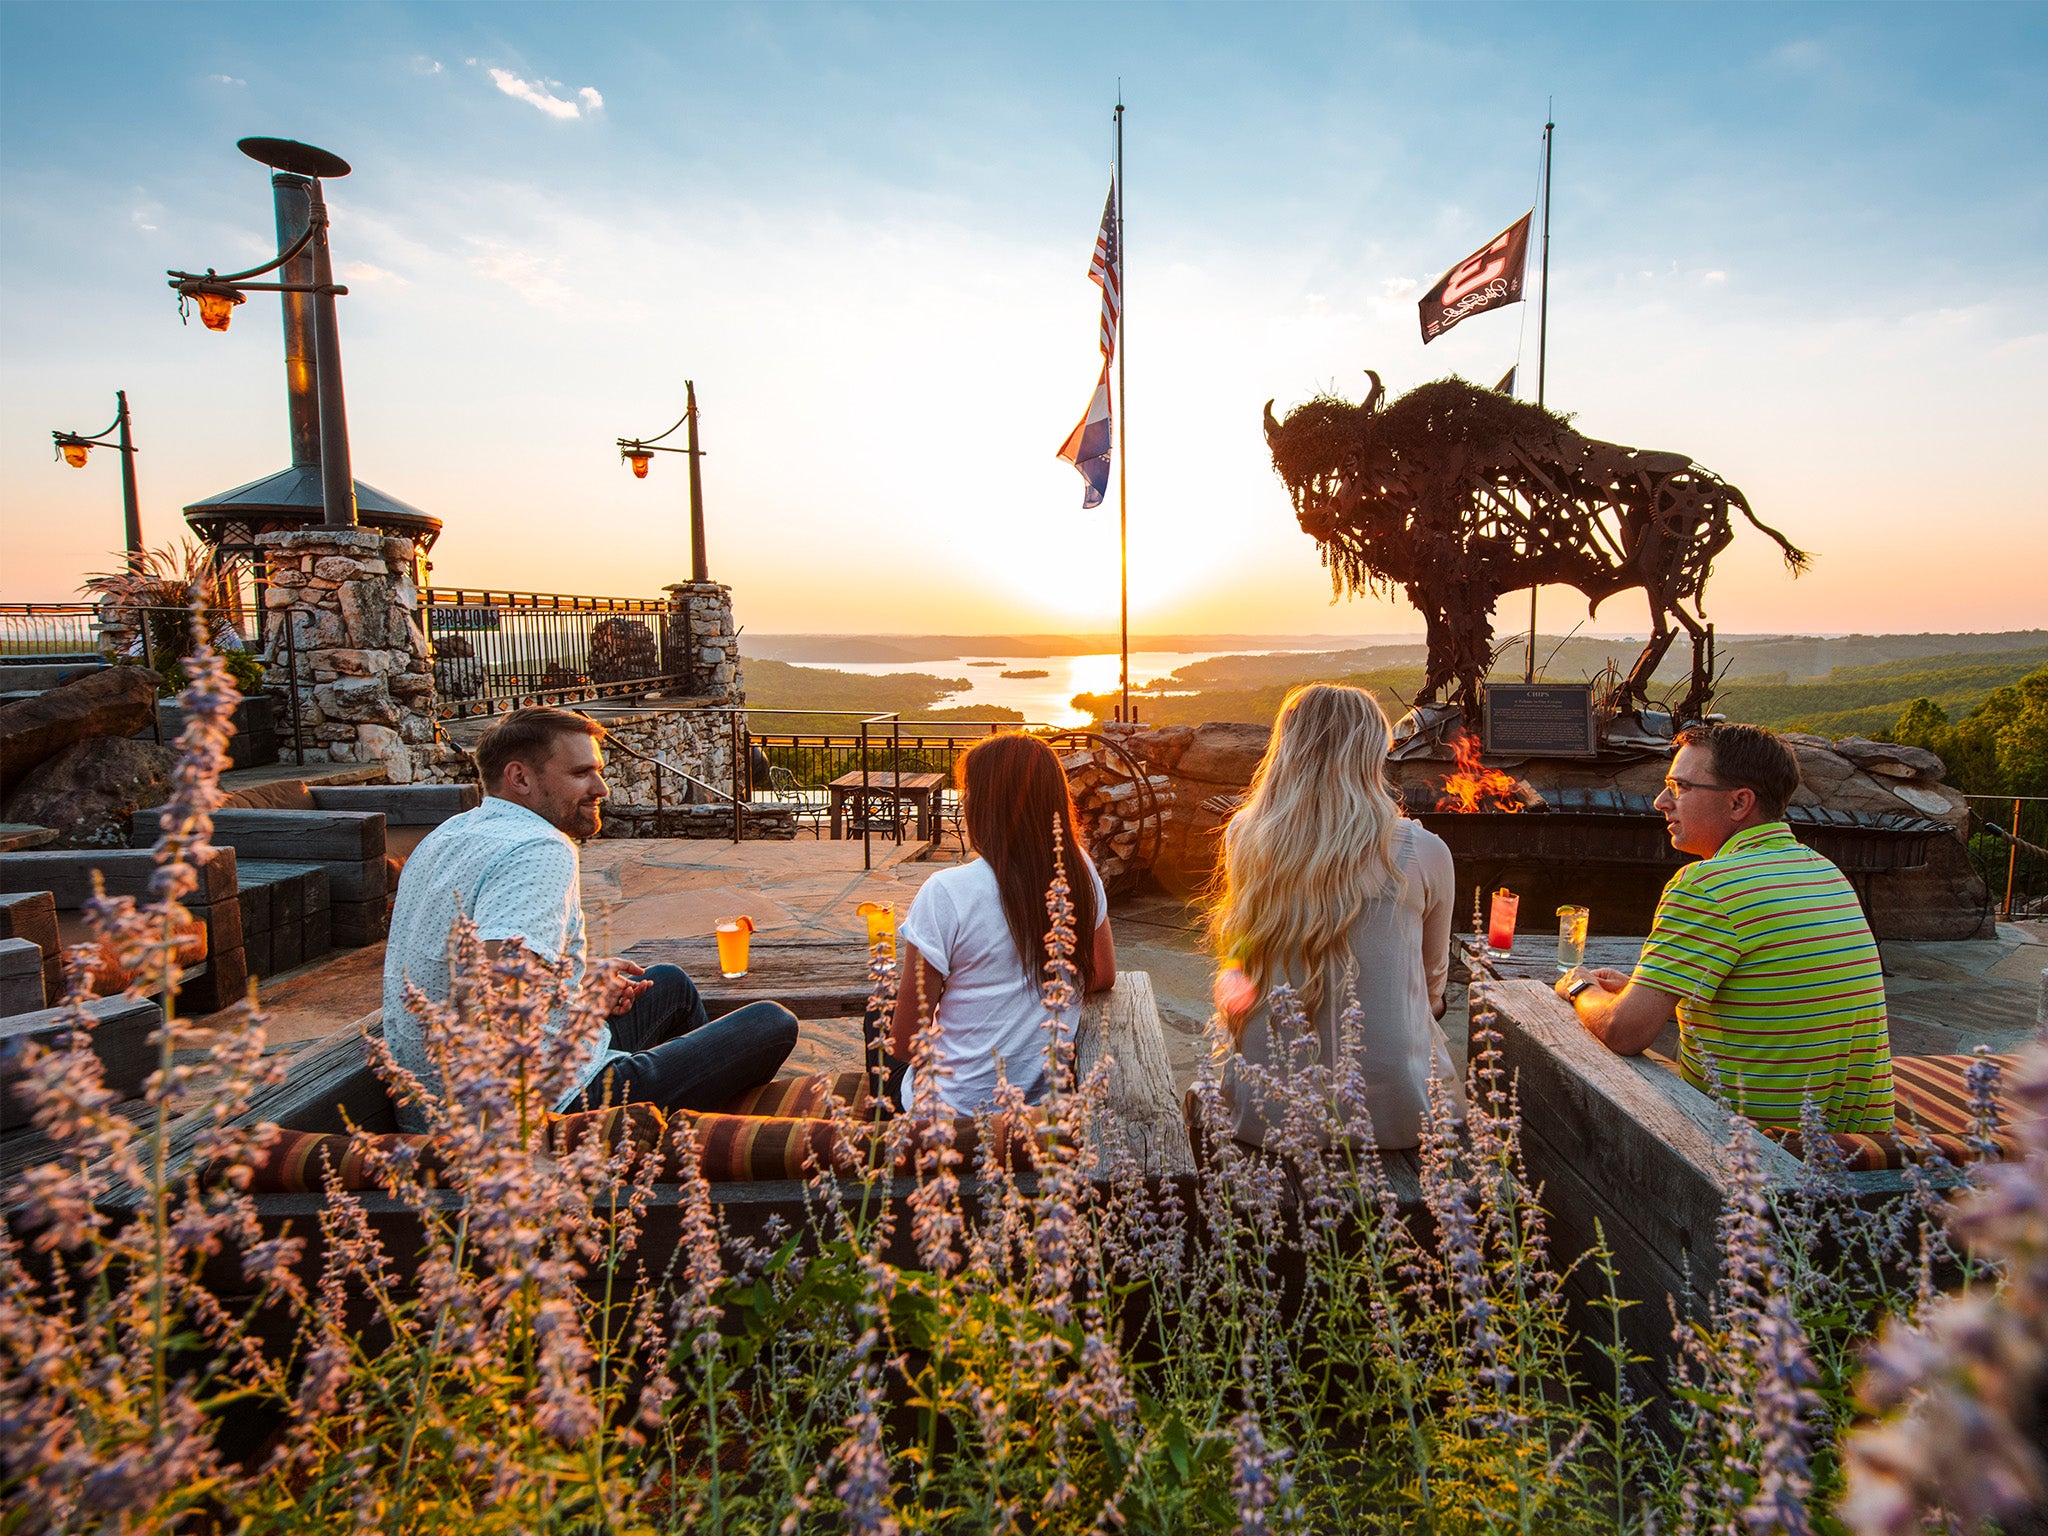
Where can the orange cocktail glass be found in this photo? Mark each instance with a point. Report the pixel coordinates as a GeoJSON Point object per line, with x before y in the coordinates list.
{"type": "Point", "coordinates": [1500, 921]}
{"type": "Point", "coordinates": [881, 919]}
{"type": "Point", "coordinates": [733, 933]}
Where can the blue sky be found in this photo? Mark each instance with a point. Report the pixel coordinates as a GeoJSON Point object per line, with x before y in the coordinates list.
{"type": "Point", "coordinates": [1802, 244]}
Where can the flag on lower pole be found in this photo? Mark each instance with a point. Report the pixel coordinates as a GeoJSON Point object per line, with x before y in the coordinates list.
{"type": "Point", "coordinates": [1487, 279]}
{"type": "Point", "coordinates": [1087, 446]}
{"type": "Point", "coordinates": [1506, 386]}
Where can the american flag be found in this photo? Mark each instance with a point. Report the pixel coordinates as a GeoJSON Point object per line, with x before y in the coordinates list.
{"type": "Point", "coordinates": [1087, 446]}
{"type": "Point", "coordinates": [1107, 268]}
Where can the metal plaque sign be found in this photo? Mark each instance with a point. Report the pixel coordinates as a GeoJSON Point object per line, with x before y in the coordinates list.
{"type": "Point", "coordinates": [1540, 719]}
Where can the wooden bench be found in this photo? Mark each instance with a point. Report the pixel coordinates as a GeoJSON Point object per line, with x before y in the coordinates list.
{"type": "Point", "coordinates": [67, 876]}
{"type": "Point", "coordinates": [348, 844]}
{"type": "Point", "coordinates": [120, 1039]}
{"type": "Point", "coordinates": [32, 916]}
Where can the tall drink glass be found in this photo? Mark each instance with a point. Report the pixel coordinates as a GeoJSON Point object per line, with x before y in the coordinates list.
{"type": "Point", "coordinates": [1500, 922]}
{"type": "Point", "coordinates": [881, 921]}
{"type": "Point", "coordinates": [1571, 937]}
{"type": "Point", "coordinates": [733, 934]}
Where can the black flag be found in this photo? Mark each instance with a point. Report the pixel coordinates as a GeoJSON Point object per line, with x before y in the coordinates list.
{"type": "Point", "coordinates": [1490, 277]}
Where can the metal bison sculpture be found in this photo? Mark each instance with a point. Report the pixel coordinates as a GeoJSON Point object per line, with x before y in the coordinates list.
{"type": "Point", "coordinates": [1458, 494]}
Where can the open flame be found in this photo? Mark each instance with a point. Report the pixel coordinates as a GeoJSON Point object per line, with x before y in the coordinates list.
{"type": "Point", "coordinates": [1474, 786]}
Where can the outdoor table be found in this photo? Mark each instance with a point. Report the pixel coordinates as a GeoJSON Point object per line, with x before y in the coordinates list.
{"type": "Point", "coordinates": [920, 789]}
{"type": "Point", "coordinates": [812, 978]}
{"type": "Point", "coordinates": [1535, 957]}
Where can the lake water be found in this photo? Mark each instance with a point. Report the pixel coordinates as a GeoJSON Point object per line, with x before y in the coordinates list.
{"type": "Point", "coordinates": [1041, 700]}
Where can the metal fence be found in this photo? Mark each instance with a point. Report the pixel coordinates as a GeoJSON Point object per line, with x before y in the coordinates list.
{"type": "Point", "coordinates": [2009, 849]}
{"type": "Point", "coordinates": [49, 629]}
{"type": "Point", "coordinates": [496, 651]}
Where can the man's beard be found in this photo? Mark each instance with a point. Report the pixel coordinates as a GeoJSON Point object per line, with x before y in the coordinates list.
{"type": "Point", "coordinates": [581, 820]}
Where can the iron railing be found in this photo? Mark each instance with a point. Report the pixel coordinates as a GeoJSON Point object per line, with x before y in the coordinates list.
{"type": "Point", "coordinates": [2009, 850]}
{"type": "Point", "coordinates": [496, 651]}
{"type": "Point", "coordinates": [49, 629]}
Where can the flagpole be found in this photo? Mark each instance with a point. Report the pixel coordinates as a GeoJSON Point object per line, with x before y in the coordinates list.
{"type": "Point", "coordinates": [1123, 459]}
{"type": "Point", "coordinates": [1542, 350]}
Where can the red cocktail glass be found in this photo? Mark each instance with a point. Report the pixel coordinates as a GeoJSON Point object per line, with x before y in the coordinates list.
{"type": "Point", "coordinates": [1500, 922]}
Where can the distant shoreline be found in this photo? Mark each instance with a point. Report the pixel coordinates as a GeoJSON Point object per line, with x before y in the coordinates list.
{"type": "Point", "coordinates": [918, 648]}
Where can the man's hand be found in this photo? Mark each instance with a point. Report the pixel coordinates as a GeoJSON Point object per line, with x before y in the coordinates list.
{"type": "Point", "coordinates": [1624, 1015]}
{"type": "Point", "coordinates": [635, 988]}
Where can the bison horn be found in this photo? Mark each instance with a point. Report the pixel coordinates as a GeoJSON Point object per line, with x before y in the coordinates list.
{"type": "Point", "coordinates": [1272, 427]}
{"type": "Point", "coordinates": [1372, 399]}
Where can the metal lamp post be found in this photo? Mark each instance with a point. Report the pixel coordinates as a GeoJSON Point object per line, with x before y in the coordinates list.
{"type": "Point", "coordinates": [72, 448]}
{"type": "Point", "coordinates": [300, 166]}
{"type": "Point", "coordinates": [640, 452]}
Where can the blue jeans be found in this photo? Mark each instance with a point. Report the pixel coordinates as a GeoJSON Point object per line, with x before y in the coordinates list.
{"type": "Point", "coordinates": [679, 1059]}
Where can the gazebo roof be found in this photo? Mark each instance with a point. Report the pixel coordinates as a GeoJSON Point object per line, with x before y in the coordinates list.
{"type": "Point", "coordinates": [293, 496]}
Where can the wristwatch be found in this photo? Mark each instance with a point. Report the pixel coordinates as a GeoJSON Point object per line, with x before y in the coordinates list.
{"type": "Point", "coordinates": [1572, 992]}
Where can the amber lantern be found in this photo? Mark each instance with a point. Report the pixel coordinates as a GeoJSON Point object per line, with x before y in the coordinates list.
{"type": "Point", "coordinates": [639, 458]}
{"type": "Point", "coordinates": [75, 451]}
{"type": "Point", "coordinates": [216, 303]}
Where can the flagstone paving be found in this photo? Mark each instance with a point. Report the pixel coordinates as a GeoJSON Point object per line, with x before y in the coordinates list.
{"type": "Point", "coordinates": [634, 889]}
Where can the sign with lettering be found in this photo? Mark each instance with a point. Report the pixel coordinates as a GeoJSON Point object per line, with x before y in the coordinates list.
{"type": "Point", "coordinates": [1540, 719]}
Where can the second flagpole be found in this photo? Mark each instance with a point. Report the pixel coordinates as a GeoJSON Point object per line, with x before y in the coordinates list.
{"type": "Point", "coordinates": [1542, 355]}
{"type": "Point", "coordinates": [1123, 459]}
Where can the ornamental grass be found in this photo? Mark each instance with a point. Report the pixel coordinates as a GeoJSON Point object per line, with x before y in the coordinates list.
{"type": "Point", "coordinates": [945, 1343]}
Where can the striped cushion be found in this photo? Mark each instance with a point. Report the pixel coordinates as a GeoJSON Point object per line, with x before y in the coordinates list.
{"type": "Point", "coordinates": [742, 1148]}
{"type": "Point", "coordinates": [1933, 1117]}
{"type": "Point", "coordinates": [297, 1161]}
{"type": "Point", "coordinates": [801, 1097]}
{"type": "Point", "coordinates": [639, 1126]}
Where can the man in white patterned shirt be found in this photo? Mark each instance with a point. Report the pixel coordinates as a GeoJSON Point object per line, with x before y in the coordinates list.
{"type": "Point", "coordinates": [512, 865]}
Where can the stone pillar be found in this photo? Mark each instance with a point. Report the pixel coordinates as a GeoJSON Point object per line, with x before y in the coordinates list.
{"type": "Point", "coordinates": [365, 683]}
{"type": "Point", "coordinates": [701, 628]}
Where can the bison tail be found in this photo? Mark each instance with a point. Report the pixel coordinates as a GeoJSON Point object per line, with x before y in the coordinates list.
{"type": "Point", "coordinates": [1797, 560]}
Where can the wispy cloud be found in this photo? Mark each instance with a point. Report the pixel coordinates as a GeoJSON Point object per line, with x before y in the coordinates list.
{"type": "Point", "coordinates": [1801, 55]}
{"type": "Point", "coordinates": [226, 80]}
{"type": "Point", "coordinates": [537, 94]}
{"type": "Point", "coordinates": [540, 280]}
{"type": "Point", "coordinates": [422, 65]}
{"type": "Point", "coordinates": [366, 273]}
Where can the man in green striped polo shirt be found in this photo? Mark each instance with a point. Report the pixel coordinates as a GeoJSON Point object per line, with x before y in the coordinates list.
{"type": "Point", "coordinates": [1760, 949]}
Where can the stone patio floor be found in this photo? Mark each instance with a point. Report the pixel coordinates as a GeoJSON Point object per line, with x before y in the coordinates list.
{"type": "Point", "coordinates": [1943, 997]}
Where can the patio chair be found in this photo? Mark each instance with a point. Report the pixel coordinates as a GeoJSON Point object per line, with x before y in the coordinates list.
{"type": "Point", "coordinates": [880, 812]}
{"type": "Point", "coordinates": [806, 805]}
{"type": "Point", "coordinates": [951, 818]}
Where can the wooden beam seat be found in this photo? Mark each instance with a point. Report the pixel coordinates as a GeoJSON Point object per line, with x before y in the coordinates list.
{"type": "Point", "coordinates": [67, 875]}
{"type": "Point", "coordinates": [350, 845]}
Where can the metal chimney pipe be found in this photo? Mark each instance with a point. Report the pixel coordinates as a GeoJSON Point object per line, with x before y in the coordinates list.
{"type": "Point", "coordinates": [293, 196]}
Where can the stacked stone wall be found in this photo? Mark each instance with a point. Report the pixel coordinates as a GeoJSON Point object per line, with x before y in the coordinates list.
{"type": "Point", "coordinates": [364, 682]}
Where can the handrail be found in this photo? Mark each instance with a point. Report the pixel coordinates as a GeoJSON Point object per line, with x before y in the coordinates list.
{"type": "Point", "coordinates": [659, 762]}
{"type": "Point", "coordinates": [486, 597]}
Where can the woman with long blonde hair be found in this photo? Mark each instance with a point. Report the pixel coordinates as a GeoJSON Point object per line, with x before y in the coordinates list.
{"type": "Point", "coordinates": [1325, 886]}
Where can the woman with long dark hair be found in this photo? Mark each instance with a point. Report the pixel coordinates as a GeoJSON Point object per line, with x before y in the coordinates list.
{"type": "Point", "coordinates": [974, 941]}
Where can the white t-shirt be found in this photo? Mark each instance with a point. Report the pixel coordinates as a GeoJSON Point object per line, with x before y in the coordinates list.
{"type": "Point", "coordinates": [992, 1010]}
{"type": "Point", "coordinates": [513, 872]}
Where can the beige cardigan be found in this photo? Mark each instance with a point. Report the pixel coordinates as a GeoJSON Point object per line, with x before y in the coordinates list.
{"type": "Point", "coordinates": [1401, 947]}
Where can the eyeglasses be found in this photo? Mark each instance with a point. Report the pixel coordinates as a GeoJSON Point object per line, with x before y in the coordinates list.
{"type": "Point", "coordinates": [1676, 787]}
